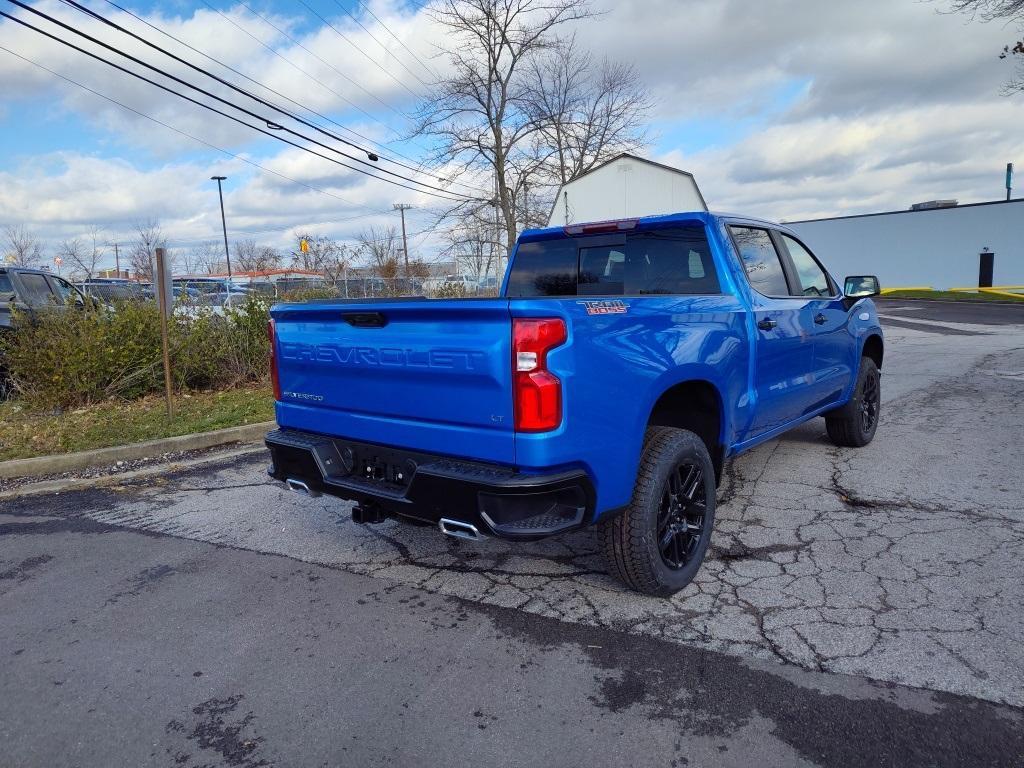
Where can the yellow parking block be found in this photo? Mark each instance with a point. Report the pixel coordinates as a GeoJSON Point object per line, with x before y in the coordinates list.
{"type": "Point", "coordinates": [912, 288]}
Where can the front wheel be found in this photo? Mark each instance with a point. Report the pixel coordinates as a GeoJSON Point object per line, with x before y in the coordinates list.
{"type": "Point", "coordinates": [657, 544]}
{"type": "Point", "coordinates": [854, 424]}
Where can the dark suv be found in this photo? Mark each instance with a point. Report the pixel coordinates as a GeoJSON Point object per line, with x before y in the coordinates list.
{"type": "Point", "coordinates": [31, 290]}
{"type": "Point", "coordinates": [34, 289]}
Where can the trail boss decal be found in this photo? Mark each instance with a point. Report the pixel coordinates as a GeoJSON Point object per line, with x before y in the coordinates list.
{"type": "Point", "coordinates": [607, 307]}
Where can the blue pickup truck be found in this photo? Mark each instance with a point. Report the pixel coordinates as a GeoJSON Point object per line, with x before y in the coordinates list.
{"type": "Point", "coordinates": [621, 365]}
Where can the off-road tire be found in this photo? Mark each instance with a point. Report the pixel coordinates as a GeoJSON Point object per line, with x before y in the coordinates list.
{"type": "Point", "coordinates": [854, 425]}
{"type": "Point", "coordinates": [630, 539]}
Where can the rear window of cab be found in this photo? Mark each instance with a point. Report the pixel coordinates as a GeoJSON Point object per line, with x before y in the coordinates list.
{"type": "Point", "coordinates": [673, 261]}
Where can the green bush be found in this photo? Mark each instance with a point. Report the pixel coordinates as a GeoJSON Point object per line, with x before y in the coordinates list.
{"type": "Point", "coordinates": [449, 291]}
{"type": "Point", "coordinates": [64, 359]}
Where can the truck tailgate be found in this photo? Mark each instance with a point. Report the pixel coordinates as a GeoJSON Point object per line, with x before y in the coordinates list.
{"type": "Point", "coordinates": [430, 375]}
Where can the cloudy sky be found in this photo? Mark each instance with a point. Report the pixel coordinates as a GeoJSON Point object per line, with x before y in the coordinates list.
{"type": "Point", "coordinates": [787, 109]}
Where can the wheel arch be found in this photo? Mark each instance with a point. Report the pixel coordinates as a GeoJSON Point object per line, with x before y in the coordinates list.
{"type": "Point", "coordinates": [874, 348]}
{"type": "Point", "coordinates": [696, 405]}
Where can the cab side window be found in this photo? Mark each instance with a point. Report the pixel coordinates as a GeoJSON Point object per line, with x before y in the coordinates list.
{"type": "Point", "coordinates": [37, 289]}
{"type": "Point", "coordinates": [761, 261]}
{"type": "Point", "coordinates": [813, 280]}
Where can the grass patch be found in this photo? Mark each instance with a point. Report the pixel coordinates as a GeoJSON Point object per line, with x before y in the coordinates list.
{"type": "Point", "coordinates": [24, 433]}
{"type": "Point", "coordinates": [948, 295]}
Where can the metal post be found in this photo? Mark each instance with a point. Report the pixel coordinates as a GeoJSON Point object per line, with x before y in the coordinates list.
{"type": "Point", "coordinates": [224, 224]}
{"type": "Point", "coordinates": [1009, 179]}
{"type": "Point", "coordinates": [161, 282]}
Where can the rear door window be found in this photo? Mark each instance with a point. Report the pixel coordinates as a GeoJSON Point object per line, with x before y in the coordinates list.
{"type": "Point", "coordinates": [674, 261]}
{"type": "Point", "coordinates": [761, 261]}
{"type": "Point", "coordinates": [65, 291]}
{"type": "Point", "coordinates": [37, 289]}
{"type": "Point", "coordinates": [5, 283]}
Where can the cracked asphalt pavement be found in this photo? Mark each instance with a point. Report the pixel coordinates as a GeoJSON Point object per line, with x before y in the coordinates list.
{"type": "Point", "coordinates": [858, 607]}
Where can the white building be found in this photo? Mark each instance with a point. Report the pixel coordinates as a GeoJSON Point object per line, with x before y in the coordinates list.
{"type": "Point", "coordinates": [938, 247]}
{"type": "Point", "coordinates": [625, 187]}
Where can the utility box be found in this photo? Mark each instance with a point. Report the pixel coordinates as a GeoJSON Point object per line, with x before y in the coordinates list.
{"type": "Point", "coordinates": [626, 187]}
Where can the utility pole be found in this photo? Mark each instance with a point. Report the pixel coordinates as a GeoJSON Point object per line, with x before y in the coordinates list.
{"type": "Point", "coordinates": [117, 261]}
{"type": "Point", "coordinates": [402, 208]}
{"type": "Point", "coordinates": [224, 223]}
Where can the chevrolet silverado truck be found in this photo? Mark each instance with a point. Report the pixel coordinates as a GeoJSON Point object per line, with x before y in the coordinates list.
{"type": "Point", "coordinates": [621, 366]}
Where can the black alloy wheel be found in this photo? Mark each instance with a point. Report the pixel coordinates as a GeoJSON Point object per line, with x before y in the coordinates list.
{"type": "Point", "coordinates": [869, 402]}
{"type": "Point", "coordinates": [681, 516]}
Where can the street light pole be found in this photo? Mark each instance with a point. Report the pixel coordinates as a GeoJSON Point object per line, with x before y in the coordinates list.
{"type": "Point", "coordinates": [224, 223]}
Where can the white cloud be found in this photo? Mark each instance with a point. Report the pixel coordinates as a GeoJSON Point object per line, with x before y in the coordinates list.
{"type": "Point", "coordinates": [887, 102]}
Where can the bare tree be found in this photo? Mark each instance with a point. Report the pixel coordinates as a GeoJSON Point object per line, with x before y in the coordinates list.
{"type": "Point", "coordinates": [204, 258]}
{"type": "Point", "coordinates": [323, 254]}
{"type": "Point", "coordinates": [380, 248]}
{"type": "Point", "coordinates": [23, 248]}
{"type": "Point", "coordinates": [251, 257]}
{"type": "Point", "coordinates": [473, 246]}
{"type": "Point", "coordinates": [76, 256]}
{"type": "Point", "coordinates": [587, 111]}
{"type": "Point", "coordinates": [481, 115]}
{"type": "Point", "coordinates": [148, 237]}
{"type": "Point", "coordinates": [1011, 13]}
{"type": "Point", "coordinates": [83, 258]}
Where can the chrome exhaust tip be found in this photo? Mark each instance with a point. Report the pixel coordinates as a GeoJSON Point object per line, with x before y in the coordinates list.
{"type": "Point", "coordinates": [458, 529]}
{"type": "Point", "coordinates": [301, 487]}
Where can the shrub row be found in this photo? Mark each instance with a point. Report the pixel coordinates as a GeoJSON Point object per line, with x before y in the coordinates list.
{"type": "Point", "coordinates": [65, 359]}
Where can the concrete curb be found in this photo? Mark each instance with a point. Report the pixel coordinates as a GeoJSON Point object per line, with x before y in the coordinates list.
{"type": "Point", "coordinates": [69, 462]}
{"type": "Point", "coordinates": [79, 483]}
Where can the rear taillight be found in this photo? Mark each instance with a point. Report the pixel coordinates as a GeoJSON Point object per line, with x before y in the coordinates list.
{"type": "Point", "coordinates": [275, 379]}
{"type": "Point", "coordinates": [537, 391]}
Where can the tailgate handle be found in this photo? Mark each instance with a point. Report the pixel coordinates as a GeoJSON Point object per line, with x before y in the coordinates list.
{"type": "Point", "coordinates": [365, 319]}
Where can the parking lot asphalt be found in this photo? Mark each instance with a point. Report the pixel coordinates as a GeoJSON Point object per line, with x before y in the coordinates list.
{"type": "Point", "coordinates": [852, 598]}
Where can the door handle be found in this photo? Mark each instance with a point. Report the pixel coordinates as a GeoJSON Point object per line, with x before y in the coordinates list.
{"type": "Point", "coordinates": [766, 324]}
{"type": "Point", "coordinates": [820, 319]}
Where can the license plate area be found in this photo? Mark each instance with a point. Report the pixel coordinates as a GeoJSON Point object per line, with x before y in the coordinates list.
{"type": "Point", "coordinates": [379, 466]}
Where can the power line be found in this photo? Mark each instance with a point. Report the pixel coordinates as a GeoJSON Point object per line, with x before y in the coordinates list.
{"type": "Point", "coordinates": [378, 42]}
{"type": "Point", "coordinates": [319, 58]}
{"type": "Point", "coordinates": [188, 135]}
{"type": "Point", "coordinates": [418, 168]}
{"type": "Point", "coordinates": [367, 56]}
{"type": "Point", "coordinates": [369, 10]}
{"type": "Point", "coordinates": [444, 194]}
{"type": "Point", "coordinates": [211, 108]}
{"type": "Point", "coordinates": [234, 87]}
{"type": "Point", "coordinates": [299, 69]}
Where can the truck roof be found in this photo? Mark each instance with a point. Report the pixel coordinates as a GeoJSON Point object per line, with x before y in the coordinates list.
{"type": "Point", "coordinates": [646, 221]}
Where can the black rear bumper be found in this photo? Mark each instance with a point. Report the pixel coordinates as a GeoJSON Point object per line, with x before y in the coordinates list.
{"type": "Point", "coordinates": [397, 483]}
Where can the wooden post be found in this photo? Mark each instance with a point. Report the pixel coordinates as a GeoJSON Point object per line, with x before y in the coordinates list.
{"type": "Point", "coordinates": [162, 279]}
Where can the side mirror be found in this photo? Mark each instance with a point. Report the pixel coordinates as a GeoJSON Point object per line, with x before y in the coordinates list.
{"type": "Point", "coordinates": [861, 286]}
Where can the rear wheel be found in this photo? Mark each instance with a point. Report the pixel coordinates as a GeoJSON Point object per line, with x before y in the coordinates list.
{"type": "Point", "coordinates": [657, 544]}
{"type": "Point", "coordinates": [854, 424]}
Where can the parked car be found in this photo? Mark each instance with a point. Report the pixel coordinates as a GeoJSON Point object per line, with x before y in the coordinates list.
{"type": "Point", "coordinates": [111, 292]}
{"type": "Point", "coordinates": [622, 366]}
{"type": "Point", "coordinates": [32, 290]}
